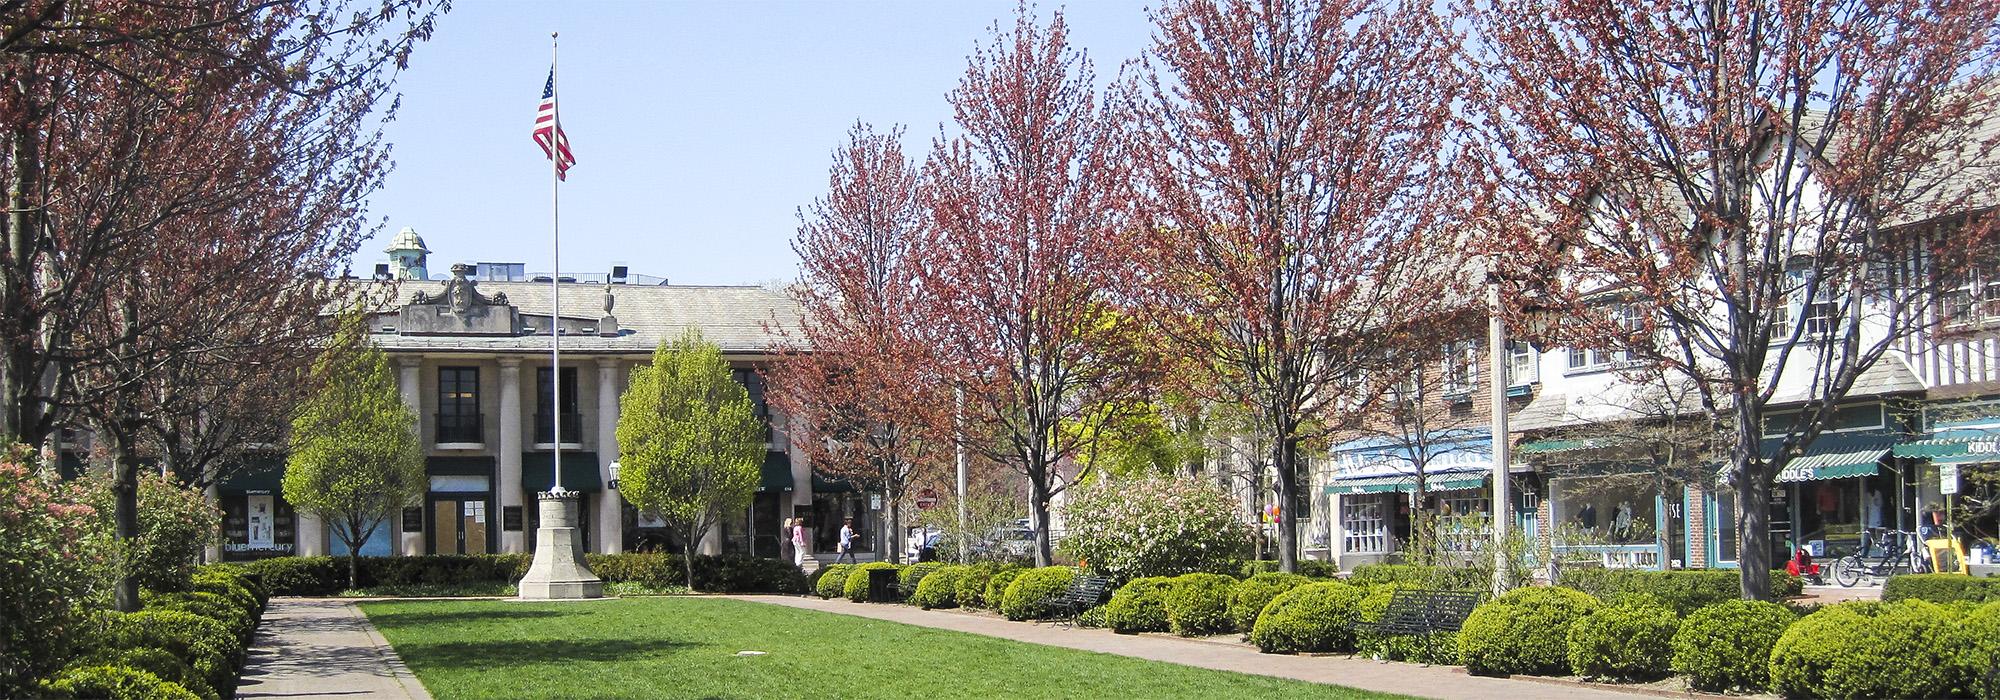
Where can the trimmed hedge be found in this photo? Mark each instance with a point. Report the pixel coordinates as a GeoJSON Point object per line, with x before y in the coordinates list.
{"type": "Point", "coordinates": [831, 581]}
{"type": "Point", "coordinates": [1443, 577]}
{"type": "Point", "coordinates": [1524, 631]}
{"type": "Point", "coordinates": [1198, 604]}
{"type": "Point", "coordinates": [1314, 568]}
{"type": "Point", "coordinates": [1941, 588]}
{"type": "Point", "coordinates": [996, 586]}
{"type": "Point", "coordinates": [912, 576]}
{"type": "Point", "coordinates": [114, 683]}
{"type": "Point", "coordinates": [856, 588]}
{"type": "Point", "coordinates": [241, 621]}
{"type": "Point", "coordinates": [1684, 591]}
{"type": "Point", "coordinates": [1980, 631]}
{"type": "Point", "coordinates": [1249, 596]}
{"type": "Point", "coordinates": [940, 588]}
{"type": "Point", "coordinates": [971, 590]}
{"type": "Point", "coordinates": [1440, 649]}
{"type": "Point", "coordinates": [1316, 617]}
{"type": "Point", "coordinates": [203, 644]}
{"type": "Point", "coordinates": [1727, 646]}
{"type": "Point", "coordinates": [1626, 641]}
{"type": "Point", "coordinates": [1092, 618]}
{"type": "Point", "coordinates": [1870, 650]}
{"type": "Point", "coordinates": [323, 576]}
{"type": "Point", "coordinates": [1139, 606]}
{"type": "Point", "coordinates": [159, 662]}
{"type": "Point", "coordinates": [1032, 594]}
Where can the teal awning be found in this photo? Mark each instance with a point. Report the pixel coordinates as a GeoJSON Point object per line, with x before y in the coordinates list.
{"type": "Point", "coordinates": [1955, 447]}
{"type": "Point", "coordinates": [1554, 446]}
{"type": "Point", "coordinates": [579, 471]}
{"type": "Point", "coordinates": [1836, 456]}
{"type": "Point", "coordinates": [1407, 483]}
{"type": "Point", "coordinates": [777, 472]}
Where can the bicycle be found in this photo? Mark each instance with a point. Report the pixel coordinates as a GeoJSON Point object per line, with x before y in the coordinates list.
{"type": "Point", "coordinates": [1895, 551]}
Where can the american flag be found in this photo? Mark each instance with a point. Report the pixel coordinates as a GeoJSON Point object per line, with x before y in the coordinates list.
{"type": "Point", "coordinates": [548, 130]}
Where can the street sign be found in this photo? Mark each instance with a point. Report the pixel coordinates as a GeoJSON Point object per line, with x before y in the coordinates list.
{"type": "Point", "coordinates": [927, 500]}
{"type": "Point", "coordinates": [1947, 479]}
{"type": "Point", "coordinates": [874, 501]}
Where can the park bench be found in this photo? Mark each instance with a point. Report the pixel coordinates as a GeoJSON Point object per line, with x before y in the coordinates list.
{"type": "Point", "coordinates": [1084, 593]}
{"type": "Point", "coordinates": [1423, 613]}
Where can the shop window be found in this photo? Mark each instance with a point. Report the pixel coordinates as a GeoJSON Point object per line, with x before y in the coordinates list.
{"type": "Point", "coordinates": [1605, 510]}
{"type": "Point", "coordinates": [1725, 526]}
{"type": "Point", "coordinates": [1364, 529]}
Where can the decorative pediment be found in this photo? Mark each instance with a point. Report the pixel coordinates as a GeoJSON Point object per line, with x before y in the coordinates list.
{"type": "Point", "coordinates": [459, 309]}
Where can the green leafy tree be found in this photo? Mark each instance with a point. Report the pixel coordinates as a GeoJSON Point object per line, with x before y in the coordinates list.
{"type": "Point", "coordinates": [175, 523]}
{"type": "Point", "coordinates": [355, 460]}
{"type": "Point", "coordinates": [688, 440]}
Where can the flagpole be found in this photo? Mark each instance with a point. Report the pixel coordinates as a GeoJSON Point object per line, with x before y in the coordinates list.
{"type": "Point", "coordinates": [555, 275]}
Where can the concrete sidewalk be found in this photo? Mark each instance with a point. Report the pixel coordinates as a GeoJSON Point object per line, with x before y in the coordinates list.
{"type": "Point", "coordinates": [1449, 682]}
{"type": "Point", "coordinates": [324, 648]}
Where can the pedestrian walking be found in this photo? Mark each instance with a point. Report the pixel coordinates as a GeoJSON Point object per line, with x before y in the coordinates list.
{"type": "Point", "coordinates": [799, 542]}
{"type": "Point", "coordinates": [785, 548]}
{"type": "Point", "coordinates": [846, 543]}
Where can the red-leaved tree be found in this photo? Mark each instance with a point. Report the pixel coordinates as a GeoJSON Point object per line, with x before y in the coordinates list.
{"type": "Point", "coordinates": [1302, 212]}
{"type": "Point", "coordinates": [1765, 197]}
{"type": "Point", "coordinates": [1018, 269]}
{"type": "Point", "coordinates": [860, 396]}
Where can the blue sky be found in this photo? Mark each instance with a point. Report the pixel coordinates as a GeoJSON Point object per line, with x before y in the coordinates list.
{"type": "Point", "coordinates": [699, 128]}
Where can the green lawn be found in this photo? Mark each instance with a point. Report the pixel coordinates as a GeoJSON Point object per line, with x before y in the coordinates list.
{"type": "Point", "coordinates": [678, 647]}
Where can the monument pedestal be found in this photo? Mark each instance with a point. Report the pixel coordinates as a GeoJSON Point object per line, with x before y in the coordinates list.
{"type": "Point", "coordinates": [558, 572]}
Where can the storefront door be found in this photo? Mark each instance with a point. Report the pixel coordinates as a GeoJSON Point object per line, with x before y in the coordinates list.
{"type": "Point", "coordinates": [459, 525]}
{"type": "Point", "coordinates": [1673, 523]}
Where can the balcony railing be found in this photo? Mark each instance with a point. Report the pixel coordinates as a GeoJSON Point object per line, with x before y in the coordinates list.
{"type": "Point", "coordinates": [459, 428]}
{"type": "Point", "coordinates": [545, 428]}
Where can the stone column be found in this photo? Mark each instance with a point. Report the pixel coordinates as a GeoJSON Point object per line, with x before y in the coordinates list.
{"type": "Point", "coordinates": [409, 383]}
{"type": "Point", "coordinates": [508, 482]}
{"type": "Point", "coordinates": [213, 496]}
{"type": "Point", "coordinates": [610, 521]}
{"type": "Point", "coordinates": [801, 505]}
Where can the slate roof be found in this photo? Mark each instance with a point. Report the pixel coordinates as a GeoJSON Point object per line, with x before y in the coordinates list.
{"type": "Point", "coordinates": [737, 318]}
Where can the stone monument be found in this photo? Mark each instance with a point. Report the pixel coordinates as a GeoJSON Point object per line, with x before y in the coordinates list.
{"type": "Point", "coordinates": [558, 572]}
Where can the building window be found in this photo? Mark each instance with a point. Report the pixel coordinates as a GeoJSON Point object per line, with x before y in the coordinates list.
{"type": "Point", "coordinates": [1632, 320]}
{"type": "Point", "coordinates": [550, 413]}
{"type": "Point", "coordinates": [1781, 322]}
{"type": "Point", "coordinates": [1725, 526]}
{"type": "Point", "coordinates": [1615, 510]}
{"type": "Point", "coordinates": [1520, 364]}
{"type": "Point", "coordinates": [1461, 369]}
{"type": "Point", "coordinates": [1363, 526]}
{"type": "Point", "coordinates": [1975, 301]}
{"type": "Point", "coordinates": [458, 405]}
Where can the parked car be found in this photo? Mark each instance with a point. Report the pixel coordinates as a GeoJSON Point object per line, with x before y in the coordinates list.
{"type": "Point", "coordinates": [921, 544]}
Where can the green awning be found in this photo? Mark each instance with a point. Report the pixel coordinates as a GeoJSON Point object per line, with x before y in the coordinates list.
{"type": "Point", "coordinates": [1407, 483]}
{"type": "Point", "coordinates": [833, 484]}
{"type": "Point", "coordinates": [777, 472]}
{"type": "Point", "coordinates": [1836, 456]}
{"type": "Point", "coordinates": [1955, 447]}
{"type": "Point", "coordinates": [579, 471]}
{"type": "Point", "coordinates": [265, 474]}
{"type": "Point", "coordinates": [1546, 447]}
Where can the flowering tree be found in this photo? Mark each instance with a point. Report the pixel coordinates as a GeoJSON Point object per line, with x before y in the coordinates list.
{"type": "Point", "coordinates": [1017, 269]}
{"type": "Point", "coordinates": [175, 523]}
{"type": "Point", "coordinates": [861, 397]}
{"type": "Point", "coordinates": [1762, 196]}
{"type": "Point", "coordinates": [55, 567]}
{"type": "Point", "coordinates": [1302, 211]}
{"type": "Point", "coordinates": [1154, 526]}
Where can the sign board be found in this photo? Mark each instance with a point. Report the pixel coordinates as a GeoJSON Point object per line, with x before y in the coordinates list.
{"type": "Point", "coordinates": [510, 518]}
{"type": "Point", "coordinates": [413, 519]}
{"type": "Point", "coordinates": [927, 500]}
{"type": "Point", "coordinates": [1947, 479]}
{"type": "Point", "coordinates": [874, 501]}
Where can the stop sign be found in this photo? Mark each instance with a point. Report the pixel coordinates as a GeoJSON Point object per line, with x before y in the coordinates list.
{"type": "Point", "coordinates": [927, 499]}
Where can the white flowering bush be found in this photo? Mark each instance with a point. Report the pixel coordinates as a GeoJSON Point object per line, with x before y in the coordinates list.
{"type": "Point", "coordinates": [1155, 526]}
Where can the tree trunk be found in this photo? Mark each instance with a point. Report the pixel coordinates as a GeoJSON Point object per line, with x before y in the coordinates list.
{"type": "Point", "coordinates": [688, 546]}
{"type": "Point", "coordinates": [895, 515]}
{"type": "Point", "coordinates": [1753, 532]}
{"type": "Point", "coordinates": [1286, 457]}
{"type": "Point", "coordinates": [125, 491]}
{"type": "Point", "coordinates": [20, 408]}
{"type": "Point", "coordinates": [354, 558]}
{"type": "Point", "coordinates": [1038, 508]}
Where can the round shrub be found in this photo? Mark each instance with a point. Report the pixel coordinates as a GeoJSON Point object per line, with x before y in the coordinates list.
{"type": "Point", "coordinates": [1979, 658]}
{"type": "Point", "coordinates": [241, 623]}
{"type": "Point", "coordinates": [971, 588]}
{"type": "Point", "coordinates": [1198, 604]}
{"type": "Point", "coordinates": [231, 591]}
{"type": "Point", "coordinates": [912, 575]}
{"type": "Point", "coordinates": [1441, 648]}
{"type": "Point", "coordinates": [1154, 527]}
{"type": "Point", "coordinates": [1316, 617]}
{"type": "Point", "coordinates": [116, 683]}
{"type": "Point", "coordinates": [832, 580]}
{"type": "Point", "coordinates": [939, 589]}
{"type": "Point", "coordinates": [1139, 606]}
{"type": "Point", "coordinates": [996, 586]}
{"type": "Point", "coordinates": [1031, 595]}
{"type": "Point", "coordinates": [1524, 631]}
{"type": "Point", "coordinates": [1868, 650]}
{"type": "Point", "coordinates": [1092, 618]}
{"type": "Point", "coordinates": [175, 523]}
{"type": "Point", "coordinates": [203, 644]}
{"type": "Point", "coordinates": [216, 575]}
{"type": "Point", "coordinates": [856, 588]}
{"type": "Point", "coordinates": [1727, 646]}
{"type": "Point", "coordinates": [1625, 641]}
{"type": "Point", "coordinates": [1249, 596]}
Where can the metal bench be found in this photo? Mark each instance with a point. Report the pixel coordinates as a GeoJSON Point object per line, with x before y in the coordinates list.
{"type": "Point", "coordinates": [1424, 613]}
{"type": "Point", "coordinates": [1084, 593]}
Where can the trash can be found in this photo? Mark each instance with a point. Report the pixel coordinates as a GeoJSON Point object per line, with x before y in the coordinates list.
{"type": "Point", "coordinates": [881, 585]}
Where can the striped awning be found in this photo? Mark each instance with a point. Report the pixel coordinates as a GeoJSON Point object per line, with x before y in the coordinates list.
{"type": "Point", "coordinates": [1555, 446]}
{"type": "Point", "coordinates": [1836, 456]}
{"type": "Point", "coordinates": [1407, 483]}
{"type": "Point", "coordinates": [1955, 447]}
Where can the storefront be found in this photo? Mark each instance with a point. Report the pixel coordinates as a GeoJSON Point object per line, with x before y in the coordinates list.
{"type": "Point", "coordinates": [1615, 521]}
{"type": "Point", "coordinates": [1376, 511]}
{"type": "Point", "coordinates": [257, 522]}
{"type": "Point", "coordinates": [1822, 501]}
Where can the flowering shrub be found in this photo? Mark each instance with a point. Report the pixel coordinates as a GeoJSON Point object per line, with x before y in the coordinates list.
{"type": "Point", "coordinates": [1154, 527]}
{"type": "Point", "coordinates": [175, 523]}
{"type": "Point", "coordinates": [54, 566]}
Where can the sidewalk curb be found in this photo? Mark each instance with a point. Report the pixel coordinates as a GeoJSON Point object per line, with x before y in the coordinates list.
{"type": "Point", "coordinates": [411, 686]}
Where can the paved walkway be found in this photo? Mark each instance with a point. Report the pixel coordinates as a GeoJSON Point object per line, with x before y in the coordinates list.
{"type": "Point", "coordinates": [321, 648]}
{"type": "Point", "coordinates": [1448, 682]}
